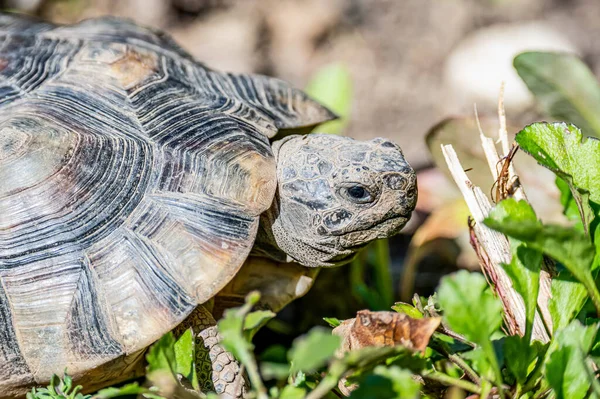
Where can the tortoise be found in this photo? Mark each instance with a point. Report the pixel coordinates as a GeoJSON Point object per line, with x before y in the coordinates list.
{"type": "Point", "coordinates": [135, 182]}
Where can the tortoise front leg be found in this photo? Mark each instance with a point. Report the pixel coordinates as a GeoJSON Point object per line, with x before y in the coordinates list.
{"type": "Point", "coordinates": [279, 284]}
{"type": "Point", "coordinates": [217, 369]}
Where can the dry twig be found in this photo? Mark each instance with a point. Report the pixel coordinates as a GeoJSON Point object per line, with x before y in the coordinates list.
{"type": "Point", "coordinates": [493, 248]}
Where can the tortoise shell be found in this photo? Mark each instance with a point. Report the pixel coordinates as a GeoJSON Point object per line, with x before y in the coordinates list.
{"type": "Point", "coordinates": [131, 182]}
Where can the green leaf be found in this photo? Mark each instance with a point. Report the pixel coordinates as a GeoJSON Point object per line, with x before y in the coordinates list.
{"type": "Point", "coordinates": [361, 361]}
{"type": "Point", "coordinates": [332, 321]}
{"type": "Point", "coordinates": [568, 298]}
{"type": "Point", "coordinates": [274, 370]}
{"type": "Point", "coordinates": [313, 350]}
{"type": "Point", "coordinates": [567, 245]}
{"type": "Point", "coordinates": [299, 379]}
{"type": "Point", "coordinates": [58, 389]}
{"type": "Point", "coordinates": [231, 327]}
{"type": "Point", "coordinates": [67, 383]}
{"type": "Point", "coordinates": [292, 392]}
{"type": "Point", "coordinates": [576, 334]}
{"type": "Point", "coordinates": [161, 355]}
{"type": "Point", "coordinates": [408, 310]}
{"type": "Point", "coordinates": [129, 389]}
{"type": "Point", "coordinates": [480, 363]}
{"type": "Point", "coordinates": [472, 312]}
{"type": "Point", "coordinates": [564, 86]}
{"type": "Point", "coordinates": [273, 363]}
{"type": "Point", "coordinates": [185, 357]}
{"type": "Point", "coordinates": [387, 382]}
{"type": "Point", "coordinates": [559, 147]}
{"type": "Point", "coordinates": [332, 86]}
{"type": "Point", "coordinates": [524, 272]}
{"type": "Point", "coordinates": [521, 356]}
{"type": "Point", "coordinates": [371, 355]}
{"type": "Point", "coordinates": [566, 369]}
{"type": "Point", "coordinates": [255, 320]}
{"type": "Point", "coordinates": [570, 205]}
{"type": "Point", "coordinates": [275, 353]}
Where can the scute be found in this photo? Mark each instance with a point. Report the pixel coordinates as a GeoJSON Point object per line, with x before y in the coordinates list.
{"type": "Point", "coordinates": [138, 287]}
{"type": "Point", "coordinates": [14, 371]}
{"type": "Point", "coordinates": [41, 312]}
{"type": "Point", "coordinates": [131, 182]}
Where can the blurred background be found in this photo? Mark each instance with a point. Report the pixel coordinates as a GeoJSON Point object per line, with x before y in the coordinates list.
{"type": "Point", "coordinates": [392, 68]}
{"type": "Point", "coordinates": [401, 54]}
{"type": "Point", "coordinates": [398, 52]}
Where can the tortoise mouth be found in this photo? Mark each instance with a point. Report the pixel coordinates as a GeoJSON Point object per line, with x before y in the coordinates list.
{"type": "Point", "coordinates": [349, 244]}
{"type": "Point", "coordinates": [357, 239]}
{"type": "Point", "coordinates": [391, 224]}
{"type": "Point", "coordinates": [340, 260]}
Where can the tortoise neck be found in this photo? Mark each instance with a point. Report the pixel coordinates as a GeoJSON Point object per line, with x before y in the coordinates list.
{"type": "Point", "coordinates": [266, 244]}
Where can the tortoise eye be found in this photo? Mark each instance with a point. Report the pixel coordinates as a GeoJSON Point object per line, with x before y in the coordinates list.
{"type": "Point", "coordinates": [358, 194]}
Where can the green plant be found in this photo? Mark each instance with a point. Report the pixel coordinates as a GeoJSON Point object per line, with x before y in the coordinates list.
{"type": "Point", "coordinates": [58, 389]}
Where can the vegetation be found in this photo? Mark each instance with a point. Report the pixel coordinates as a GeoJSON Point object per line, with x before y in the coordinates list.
{"type": "Point", "coordinates": [470, 351]}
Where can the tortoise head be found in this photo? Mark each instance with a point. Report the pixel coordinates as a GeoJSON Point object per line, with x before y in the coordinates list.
{"type": "Point", "coordinates": [335, 195]}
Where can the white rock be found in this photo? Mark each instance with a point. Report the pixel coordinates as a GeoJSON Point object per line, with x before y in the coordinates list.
{"type": "Point", "coordinates": [473, 72]}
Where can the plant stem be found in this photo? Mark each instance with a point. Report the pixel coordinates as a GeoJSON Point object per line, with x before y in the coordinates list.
{"type": "Point", "coordinates": [590, 284]}
{"type": "Point", "coordinates": [595, 385]}
{"type": "Point", "coordinates": [518, 392]}
{"type": "Point", "coordinates": [445, 329]}
{"type": "Point", "coordinates": [418, 304]}
{"type": "Point", "coordinates": [254, 377]}
{"type": "Point", "coordinates": [534, 376]}
{"type": "Point", "coordinates": [447, 380]}
{"type": "Point", "coordinates": [246, 357]}
{"type": "Point", "coordinates": [488, 349]}
{"type": "Point", "coordinates": [383, 276]}
{"type": "Point", "coordinates": [324, 387]}
{"type": "Point", "coordinates": [547, 327]}
{"type": "Point", "coordinates": [357, 276]}
{"type": "Point", "coordinates": [543, 394]}
{"type": "Point", "coordinates": [457, 360]}
{"type": "Point", "coordinates": [486, 389]}
{"type": "Point", "coordinates": [454, 358]}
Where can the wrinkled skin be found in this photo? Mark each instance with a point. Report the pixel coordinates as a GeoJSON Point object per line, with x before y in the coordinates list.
{"type": "Point", "coordinates": [334, 196]}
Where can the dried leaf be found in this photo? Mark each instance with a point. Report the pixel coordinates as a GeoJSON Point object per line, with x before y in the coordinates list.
{"type": "Point", "coordinates": [386, 329]}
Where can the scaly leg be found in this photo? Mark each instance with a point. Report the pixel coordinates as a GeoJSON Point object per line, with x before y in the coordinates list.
{"type": "Point", "coordinates": [217, 369]}
{"type": "Point", "coordinates": [279, 284]}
